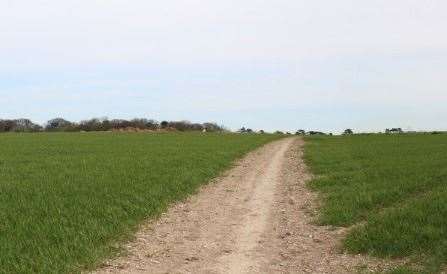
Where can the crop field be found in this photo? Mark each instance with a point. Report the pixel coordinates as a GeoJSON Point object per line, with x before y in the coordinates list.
{"type": "Point", "coordinates": [67, 200]}
{"type": "Point", "coordinates": [393, 187]}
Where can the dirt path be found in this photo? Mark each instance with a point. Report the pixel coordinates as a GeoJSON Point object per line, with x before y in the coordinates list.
{"type": "Point", "coordinates": [256, 218]}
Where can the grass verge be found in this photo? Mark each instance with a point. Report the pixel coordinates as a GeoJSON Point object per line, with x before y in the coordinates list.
{"type": "Point", "coordinates": [68, 199]}
{"type": "Point", "coordinates": [395, 185]}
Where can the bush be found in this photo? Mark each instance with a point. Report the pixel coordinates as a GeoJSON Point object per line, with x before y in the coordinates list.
{"type": "Point", "coordinates": [104, 124]}
{"type": "Point", "coordinates": [19, 125]}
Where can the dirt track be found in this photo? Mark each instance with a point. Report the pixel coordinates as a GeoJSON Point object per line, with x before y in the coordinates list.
{"type": "Point", "coordinates": [256, 218]}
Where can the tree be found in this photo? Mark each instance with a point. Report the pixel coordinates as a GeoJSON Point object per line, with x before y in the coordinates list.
{"type": "Point", "coordinates": [213, 127]}
{"type": "Point", "coordinates": [164, 124]}
{"type": "Point", "coordinates": [316, 133]}
{"type": "Point", "coordinates": [397, 130]}
{"type": "Point", "coordinates": [200, 127]}
{"type": "Point", "coordinates": [180, 125]}
{"type": "Point", "coordinates": [93, 124]}
{"type": "Point", "coordinates": [104, 124]}
{"type": "Point", "coordinates": [300, 132]}
{"type": "Point", "coordinates": [348, 131]}
{"type": "Point", "coordinates": [5, 125]}
{"type": "Point", "coordinates": [119, 124]}
{"type": "Point", "coordinates": [394, 130]}
{"type": "Point", "coordinates": [242, 130]}
{"type": "Point", "coordinates": [19, 125]}
{"type": "Point", "coordinates": [26, 125]}
{"type": "Point", "coordinates": [58, 124]}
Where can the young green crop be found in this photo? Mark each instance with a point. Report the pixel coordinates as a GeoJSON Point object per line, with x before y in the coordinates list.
{"type": "Point", "coordinates": [67, 199]}
{"type": "Point", "coordinates": [396, 185]}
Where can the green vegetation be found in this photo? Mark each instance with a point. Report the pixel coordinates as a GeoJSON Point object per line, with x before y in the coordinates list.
{"type": "Point", "coordinates": [394, 186]}
{"type": "Point", "coordinates": [68, 199]}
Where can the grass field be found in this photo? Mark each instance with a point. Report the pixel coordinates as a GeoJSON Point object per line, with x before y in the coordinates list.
{"type": "Point", "coordinates": [394, 186]}
{"type": "Point", "coordinates": [67, 200]}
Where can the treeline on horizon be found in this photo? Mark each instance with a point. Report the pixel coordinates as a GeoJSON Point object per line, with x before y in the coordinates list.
{"type": "Point", "coordinates": [104, 124]}
{"type": "Point", "coordinates": [143, 124]}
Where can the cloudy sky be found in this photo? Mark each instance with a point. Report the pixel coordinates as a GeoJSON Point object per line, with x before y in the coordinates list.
{"type": "Point", "coordinates": [276, 64]}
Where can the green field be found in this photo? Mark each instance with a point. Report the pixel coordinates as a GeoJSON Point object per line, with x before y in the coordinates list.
{"type": "Point", "coordinates": [68, 199]}
{"type": "Point", "coordinates": [394, 187]}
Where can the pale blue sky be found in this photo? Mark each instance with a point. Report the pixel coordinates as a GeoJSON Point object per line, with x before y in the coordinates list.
{"type": "Point", "coordinates": [283, 64]}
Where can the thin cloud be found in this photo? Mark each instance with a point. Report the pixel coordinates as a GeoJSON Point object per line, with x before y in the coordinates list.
{"type": "Point", "coordinates": [195, 59]}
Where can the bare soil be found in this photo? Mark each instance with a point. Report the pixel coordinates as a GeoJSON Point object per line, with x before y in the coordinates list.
{"type": "Point", "coordinates": [258, 217]}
